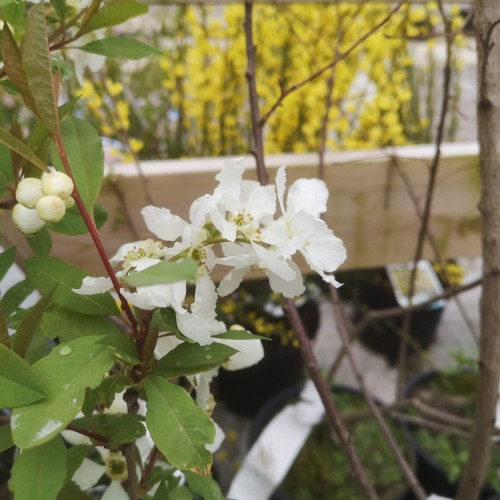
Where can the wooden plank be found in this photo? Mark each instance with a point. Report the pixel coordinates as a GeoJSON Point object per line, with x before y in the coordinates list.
{"type": "Point", "coordinates": [369, 207]}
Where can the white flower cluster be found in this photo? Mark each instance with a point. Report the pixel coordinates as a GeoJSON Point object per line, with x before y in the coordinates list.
{"type": "Point", "coordinates": [41, 201]}
{"type": "Point", "coordinates": [240, 218]}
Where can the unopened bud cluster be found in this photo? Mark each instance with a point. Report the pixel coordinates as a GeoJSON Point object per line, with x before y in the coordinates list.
{"type": "Point", "coordinates": [41, 201]}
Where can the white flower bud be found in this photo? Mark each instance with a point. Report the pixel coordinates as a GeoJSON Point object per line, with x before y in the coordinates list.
{"type": "Point", "coordinates": [50, 208]}
{"type": "Point", "coordinates": [57, 184]}
{"type": "Point", "coordinates": [26, 219]}
{"type": "Point", "coordinates": [69, 202]}
{"type": "Point", "coordinates": [29, 191]}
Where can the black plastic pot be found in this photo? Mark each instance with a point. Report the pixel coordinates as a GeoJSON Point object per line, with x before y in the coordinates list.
{"type": "Point", "coordinates": [372, 291]}
{"type": "Point", "coordinates": [430, 474]}
{"type": "Point", "coordinates": [245, 391]}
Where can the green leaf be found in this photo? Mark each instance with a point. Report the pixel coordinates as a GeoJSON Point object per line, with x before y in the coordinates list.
{"type": "Point", "coordinates": [59, 7]}
{"type": "Point", "coordinates": [120, 47]}
{"type": "Point", "coordinates": [118, 428]}
{"type": "Point", "coordinates": [47, 273]}
{"type": "Point", "coordinates": [7, 258]}
{"type": "Point", "coordinates": [162, 273]}
{"type": "Point", "coordinates": [73, 224]}
{"type": "Point", "coordinates": [71, 490]}
{"type": "Point", "coordinates": [5, 438]}
{"type": "Point", "coordinates": [76, 325]}
{"type": "Point", "coordinates": [38, 67]}
{"type": "Point", "coordinates": [7, 178]}
{"type": "Point", "coordinates": [114, 12]}
{"type": "Point", "coordinates": [107, 391]}
{"type": "Point", "coordinates": [65, 374]}
{"type": "Point", "coordinates": [162, 492]}
{"type": "Point", "coordinates": [188, 359]}
{"type": "Point", "coordinates": [40, 472]}
{"type": "Point", "coordinates": [179, 427]}
{"type": "Point", "coordinates": [18, 383]}
{"type": "Point", "coordinates": [40, 242]}
{"type": "Point", "coordinates": [12, 57]}
{"type": "Point", "coordinates": [85, 155]}
{"type": "Point", "coordinates": [29, 325]}
{"type": "Point", "coordinates": [4, 328]}
{"type": "Point", "coordinates": [14, 144]}
{"type": "Point", "coordinates": [75, 456]}
{"type": "Point", "coordinates": [203, 485]}
{"type": "Point", "coordinates": [123, 347]}
{"type": "Point", "coordinates": [16, 295]}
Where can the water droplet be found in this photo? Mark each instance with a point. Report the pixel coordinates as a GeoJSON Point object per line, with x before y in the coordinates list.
{"type": "Point", "coordinates": [208, 357]}
{"type": "Point", "coordinates": [206, 348]}
{"type": "Point", "coordinates": [65, 350]}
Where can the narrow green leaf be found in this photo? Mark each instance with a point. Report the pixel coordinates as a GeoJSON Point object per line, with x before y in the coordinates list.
{"type": "Point", "coordinates": [114, 12]}
{"type": "Point", "coordinates": [5, 438]}
{"type": "Point", "coordinates": [47, 273]}
{"type": "Point", "coordinates": [8, 140]}
{"type": "Point", "coordinates": [179, 427]}
{"type": "Point", "coordinates": [162, 492]}
{"type": "Point", "coordinates": [38, 67]}
{"type": "Point", "coordinates": [60, 8]}
{"type": "Point", "coordinates": [7, 258]}
{"type": "Point", "coordinates": [7, 177]}
{"type": "Point", "coordinates": [12, 57]}
{"type": "Point", "coordinates": [162, 273]}
{"type": "Point", "coordinates": [73, 224]}
{"type": "Point", "coordinates": [15, 296]}
{"type": "Point", "coordinates": [123, 347]}
{"type": "Point", "coordinates": [75, 456]}
{"type": "Point", "coordinates": [41, 242]}
{"type": "Point", "coordinates": [29, 325]}
{"type": "Point", "coordinates": [18, 383]}
{"type": "Point", "coordinates": [85, 155]}
{"type": "Point", "coordinates": [205, 486]}
{"type": "Point", "coordinates": [188, 359]}
{"type": "Point", "coordinates": [121, 48]}
{"type": "Point", "coordinates": [40, 472]}
{"type": "Point", "coordinates": [76, 325]}
{"type": "Point", "coordinates": [4, 328]}
{"type": "Point", "coordinates": [65, 374]}
{"type": "Point", "coordinates": [107, 391]}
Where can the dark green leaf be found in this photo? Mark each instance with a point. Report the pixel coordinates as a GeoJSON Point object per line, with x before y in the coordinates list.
{"type": "Point", "coordinates": [64, 374]}
{"type": "Point", "coordinates": [118, 428]}
{"type": "Point", "coordinates": [73, 492]}
{"type": "Point", "coordinates": [107, 391]}
{"type": "Point", "coordinates": [40, 242]}
{"type": "Point", "coordinates": [203, 485]}
{"type": "Point", "coordinates": [188, 359]}
{"type": "Point", "coordinates": [47, 273]}
{"type": "Point", "coordinates": [121, 48]}
{"type": "Point", "coordinates": [38, 349]}
{"type": "Point", "coordinates": [59, 7]}
{"type": "Point", "coordinates": [75, 456]}
{"type": "Point", "coordinates": [38, 67]}
{"type": "Point", "coordinates": [29, 325]}
{"type": "Point", "coordinates": [73, 224]}
{"type": "Point", "coordinates": [59, 322]}
{"type": "Point", "coordinates": [85, 155]}
{"type": "Point", "coordinates": [40, 472]}
{"type": "Point", "coordinates": [7, 178]}
{"type": "Point", "coordinates": [114, 12]}
{"type": "Point", "coordinates": [162, 492]}
{"type": "Point", "coordinates": [9, 87]}
{"type": "Point", "coordinates": [123, 347]}
{"type": "Point", "coordinates": [16, 295]}
{"type": "Point", "coordinates": [4, 328]}
{"type": "Point", "coordinates": [5, 438]}
{"type": "Point", "coordinates": [162, 273]}
{"type": "Point", "coordinates": [7, 258]}
{"type": "Point", "coordinates": [179, 427]}
{"type": "Point", "coordinates": [18, 383]}
{"type": "Point", "coordinates": [8, 140]}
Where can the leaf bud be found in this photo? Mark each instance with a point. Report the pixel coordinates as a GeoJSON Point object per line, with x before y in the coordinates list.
{"type": "Point", "coordinates": [29, 191]}
{"type": "Point", "coordinates": [26, 219]}
{"type": "Point", "coordinates": [57, 184]}
{"type": "Point", "coordinates": [50, 208]}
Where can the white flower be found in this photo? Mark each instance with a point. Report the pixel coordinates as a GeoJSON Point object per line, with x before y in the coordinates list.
{"type": "Point", "coordinates": [301, 229]}
{"type": "Point", "coordinates": [250, 351]}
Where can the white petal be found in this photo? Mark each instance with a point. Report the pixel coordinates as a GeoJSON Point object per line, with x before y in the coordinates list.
{"type": "Point", "coordinates": [310, 195]}
{"type": "Point", "coordinates": [289, 288]}
{"type": "Point", "coordinates": [91, 286]}
{"type": "Point", "coordinates": [144, 263]}
{"type": "Point", "coordinates": [151, 297]}
{"type": "Point", "coordinates": [200, 209]}
{"type": "Point", "coordinates": [88, 474]}
{"type": "Point", "coordinates": [194, 327]}
{"type": "Point", "coordinates": [280, 187]}
{"type": "Point", "coordinates": [115, 491]}
{"type": "Point", "coordinates": [249, 353]}
{"type": "Point", "coordinates": [205, 299]}
{"type": "Point", "coordinates": [122, 252]}
{"type": "Point", "coordinates": [219, 438]}
{"type": "Point", "coordinates": [165, 345]}
{"type": "Point", "coordinates": [262, 203]}
{"type": "Point", "coordinates": [324, 251]}
{"type": "Point", "coordinates": [230, 178]}
{"type": "Point", "coordinates": [162, 223]}
{"type": "Point", "coordinates": [231, 281]}
{"type": "Point", "coordinates": [271, 261]}
{"type": "Point", "coordinates": [201, 382]}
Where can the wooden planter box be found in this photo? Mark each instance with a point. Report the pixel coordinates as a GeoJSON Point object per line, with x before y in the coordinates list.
{"type": "Point", "coordinates": [369, 207]}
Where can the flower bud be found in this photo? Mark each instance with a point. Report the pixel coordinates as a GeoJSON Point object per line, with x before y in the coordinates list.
{"type": "Point", "coordinates": [69, 202]}
{"type": "Point", "coordinates": [26, 219]}
{"type": "Point", "coordinates": [29, 191]}
{"type": "Point", "coordinates": [50, 208]}
{"type": "Point", "coordinates": [57, 184]}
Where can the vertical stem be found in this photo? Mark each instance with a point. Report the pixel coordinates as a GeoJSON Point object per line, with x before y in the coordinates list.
{"type": "Point", "coordinates": [486, 21]}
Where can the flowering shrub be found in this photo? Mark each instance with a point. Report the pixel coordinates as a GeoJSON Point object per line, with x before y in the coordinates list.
{"type": "Point", "coordinates": [381, 94]}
